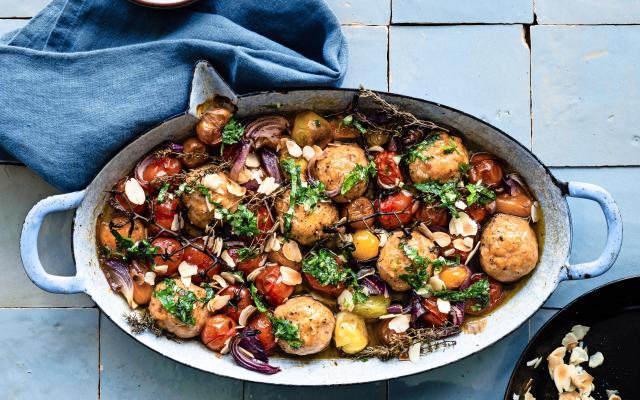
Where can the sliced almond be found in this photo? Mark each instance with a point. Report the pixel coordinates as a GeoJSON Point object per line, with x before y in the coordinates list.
{"type": "Point", "coordinates": [414, 352]}
{"type": "Point", "coordinates": [227, 259]}
{"type": "Point", "coordinates": [528, 395]}
{"type": "Point", "coordinates": [225, 349]}
{"type": "Point", "coordinates": [460, 205]}
{"type": "Point", "coordinates": [218, 302]}
{"type": "Point", "coordinates": [134, 192]}
{"type": "Point", "coordinates": [556, 358]}
{"type": "Point", "coordinates": [293, 149]}
{"type": "Point", "coordinates": [217, 246]}
{"type": "Point", "coordinates": [397, 159]}
{"type": "Point", "coordinates": [582, 380]}
{"type": "Point", "coordinates": [161, 269]}
{"type": "Point", "coordinates": [236, 189]}
{"type": "Point", "coordinates": [345, 301]}
{"type": "Point", "coordinates": [578, 356]}
{"type": "Point", "coordinates": [534, 363]}
{"type": "Point", "coordinates": [254, 274]}
{"type": "Point", "coordinates": [186, 281]}
{"type": "Point", "coordinates": [375, 149]}
{"type": "Point", "coordinates": [252, 161]}
{"type": "Point", "coordinates": [469, 226]}
{"type": "Point", "coordinates": [436, 283]}
{"type": "Point", "coordinates": [425, 231]}
{"type": "Point", "coordinates": [562, 377]}
{"type": "Point", "coordinates": [570, 341]}
{"type": "Point", "coordinates": [268, 186]}
{"type": "Point", "coordinates": [460, 244]}
{"type": "Point", "coordinates": [290, 276]}
{"type": "Point", "coordinates": [291, 251]}
{"type": "Point", "coordinates": [596, 360]}
{"type": "Point", "coordinates": [455, 226]}
{"type": "Point", "coordinates": [387, 316]}
{"type": "Point", "coordinates": [535, 211]}
{"type": "Point", "coordinates": [150, 278]}
{"type": "Point", "coordinates": [441, 238]}
{"type": "Point", "coordinates": [220, 281]}
{"type": "Point", "coordinates": [444, 306]}
{"type": "Point", "coordinates": [580, 331]}
{"type": "Point", "coordinates": [185, 269]}
{"type": "Point", "coordinates": [400, 323]}
{"type": "Point", "coordinates": [382, 238]}
{"type": "Point", "coordinates": [211, 181]}
{"type": "Point", "coordinates": [245, 314]}
{"type": "Point", "coordinates": [449, 252]}
{"type": "Point", "coordinates": [472, 253]}
{"type": "Point", "coordinates": [308, 152]}
{"type": "Point", "coordinates": [231, 277]}
{"type": "Point", "coordinates": [175, 224]}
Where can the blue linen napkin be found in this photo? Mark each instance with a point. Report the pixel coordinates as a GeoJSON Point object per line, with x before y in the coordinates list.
{"type": "Point", "coordinates": [85, 77]}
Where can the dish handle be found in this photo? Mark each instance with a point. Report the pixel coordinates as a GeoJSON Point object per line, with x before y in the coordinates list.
{"type": "Point", "coordinates": [614, 232]}
{"type": "Point", "coordinates": [29, 244]}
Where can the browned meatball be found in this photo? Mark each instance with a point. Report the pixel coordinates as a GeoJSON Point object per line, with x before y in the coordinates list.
{"type": "Point", "coordinates": [306, 226]}
{"type": "Point", "coordinates": [172, 324]}
{"type": "Point", "coordinates": [315, 324]}
{"type": "Point", "coordinates": [393, 262]}
{"type": "Point", "coordinates": [122, 225]}
{"type": "Point", "coordinates": [442, 163]}
{"type": "Point", "coordinates": [336, 164]}
{"type": "Point", "coordinates": [221, 190]}
{"type": "Point", "coordinates": [508, 248]}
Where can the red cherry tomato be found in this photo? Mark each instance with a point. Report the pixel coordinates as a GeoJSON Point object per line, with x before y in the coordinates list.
{"type": "Point", "coordinates": [240, 298]}
{"type": "Point", "coordinates": [246, 266]}
{"type": "Point", "coordinates": [389, 174]}
{"type": "Point", "coordinates": [168, 246]}
{"type": "Point", "coordinates": [217, 330]}
{"type": "Point", "coordinates": [433, 315]}
{"type": "Point", "coordinates": [432, 215]}
{"type": "Point", "coordinates": [485, 168]}
{"type": "Point", "coordinates": [402, 204]}
{"type": "Point", "coordinates": [329, 290]}
{"type": "Point", "coordinates": [161, 167]}
{"type": "Point", "coordinates": [164, 214]}
{"type": "Point", "coordinates": [270, 284]}
{"type": "Point", "coordinates": [122, 201]}
{"type": "Point", "coordinates": [262, 323]}
{"type": "Point", "coordinates": [265, 221]}
{"type": "Point", "coordinates": [496, 295]}
{"type": "Point", "coordinates": [207, 267]}
{"type": "Point", "coordinates": [477, 212]}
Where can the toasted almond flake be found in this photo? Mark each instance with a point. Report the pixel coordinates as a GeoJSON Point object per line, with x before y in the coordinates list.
{"type": "Point", "coordinates": [397, 159]}
{"type": "Point", "coordinates": [345, 301]}
{"type": "Point", "coordinates": [308, 152]}
{"type": "Point", "coordinates": [441, 238]}
{"type": "Point", "coordinates": [185, 269]}
{"type": "Point", "coordinates": [460, 205]}
{"type": "Point", "coordinates": [387, 316]}
{"type": "Point", "coordinates": [211, 207]}
{"type": "Point", "coordinates": [459, 244]}
{"type": "Point", "coordinates": [569, 396]}
{"type": "Point", "coordinates": [291, 251]}
{"type": "Point", "coordinates": [578, 356]}
{"type": "Point", "coordinates": [245, 314]}
{"type": "Point", "coordinates": [211, 181]}
{"type": "Point", "coordinates": [375, 149]}
{"type": "Point", "coordinates": [269, 243]}
{"type": "Point", "coordinates": [614, 397]}
{"type": "Point", "coordinates": [475, 327]}
{"type": "Point", "coordinates": [236, 189]}
{"type": "Point", "coordinates": [414, 352]}
{"type": "Point", "coordinates": [400, 323]}
{"type": "Point", "coordinates": [218, 302]}
{"type": "Point", "coordinates": [444, 306]}
{"type": "Point", "coordinates": [290, 276]}
{"type": "Point", "coordinates": [150, 278]}
{"type": "Point", "coordinates": [472, 253]}
{"type": "Point", "coordinates": [268, 186]}
{"type": "Point", "coordinates": [220, 280]}
{"type": "Point", "coordinates": [231, 277]}
{"type": "Point", "coordinates": [293, 148]}
{"type": "Point", "coordinates": [612, 394]}
{"type": "Point", "coordinates": [580, 331]}
{"type": "Point", "coordinates": [425, 231]}
{"type": "Point", "coordinates": [252, 161]}
{"type": "Point", "coordinates": [534, 363]}
{"type": "Point", "coordinates": [436, 283]}
{"type": "Point", "coordinates": [535, 210]}
{"type": "Point", "coordinates": [244, 176]}
{"type": "Point", "coordinates": [382, 238]}
{"type": "Point", "coordinates": [449, 252]}
{"type": "Point", "coordinates": [226, 347]}
{"type": "Point", "coordinates": [227, 259]}
{"type": "Point", "coordinates": [134, 192]}
{"type": "Point", "coordinates": [556, 358]}
{"type": "Point", "coordinates": [570, 341]}
{"type": "Point", "coordinates": [161, 269]}
{"type": "Point", "coordinates": [254, 274]}
{"type": "Point", "coordinates": [596, 360]}
{"type": "Point", "coordinates": [217, 246]}
{"type": "Point", "coordinates": [469, 226]}
{"type": "Point", "coordinates": [257, 174]}
{"type": "Point", "coordinates": [528, 395]}
{"type": "Point", "coordinates": [582, 380]}
{"type": "Point", "coordinates": [186, 281]}
{"type": "Point", "coordinates": [562, 377]}
{"type": "Point", "coordinates": [175, 224]}
{"type": "Point", "coordinates": [455, 226]}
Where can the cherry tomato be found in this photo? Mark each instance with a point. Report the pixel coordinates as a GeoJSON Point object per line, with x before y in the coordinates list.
{"type": "Point", "coordinates": [239, 300]}
{"type": "Point", "coordinates": [485, 168]}
{"type": "Point", "coordinates": [386, 334]}
{"type": "Point", "coordinates": [265, 221]}
{"type": "Point", "coordinates": [246, 266]}
{"type": "Point", "coordinates": [400, 203]}
{"type": "Point", "coordinates": [262, 323]}
{"type": "Point", "coordinates": [477, 212]}
{"type": "Point", "coordinates": [207, 267]}
{"type": "Point", "coordinates": [168, 246]}
{"type": "Point", "coordinates": [122, 201]}
{"type": "Point", "coordinates": [496, 295]}
{"type": "Point", "coordinates": [161, 167]}
{"type": "Point", "coordinates": [194, 153]}
{"type": "Point", "coordinates": [433, 215]}
{"type": "Point", "coordinates": [329, 290]}
{"type": "Point", "coordinates": [357, 211]}
{"type": "Point", "coordinates": [270, 284]}
{"type": "Point", "coordinates": [164, 214]}
{"type": "Point", "coordinates": [217, 330]}
{"type": "Point", "coordinates": [433, 315]}
{"type": "Point", "coordinates": [389, 174]}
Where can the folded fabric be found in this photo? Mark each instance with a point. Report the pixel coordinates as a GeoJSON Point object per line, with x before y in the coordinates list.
{"type": "Point", "coordinates": [85, 77]}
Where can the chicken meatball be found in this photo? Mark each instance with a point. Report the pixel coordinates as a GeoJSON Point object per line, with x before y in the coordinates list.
{"type": "Point", "coordinates": [221, 190]}
{"type": "Point", "coordinates": [315, 324]}
{"type": "Point", "coordinates": [508, 248]}
{"type": "Point", "coordinates": [121, 225]}
{"type": "Point", "coordinates": [336, 164]}
{"type": "Point", "coordinates": [439, 161]}
{"type": "Point", "coordinates": [393, 262]}
{"type": "Point", "coordinates": [171, 323]}
{"type": "Point", "coordinates": [306, 226]}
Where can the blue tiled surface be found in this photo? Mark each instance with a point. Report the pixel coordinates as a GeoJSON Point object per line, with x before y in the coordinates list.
{"type": "Point", "coordinates": [585, 89]}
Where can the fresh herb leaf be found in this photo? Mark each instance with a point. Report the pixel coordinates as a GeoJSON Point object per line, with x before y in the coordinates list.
{"type": "Point", "coordinates": [359, 296]}
{"type": "Point", "coordinates": [232, 132]}
{"type": "Point", "coordinates": [480, 194]}
{"type": "Point", "coordinates": [258, 300]}
{"type": "Point", "coordinates": [359, 127]}
{"type": "Point", "coordinates": [415, 152]}
{"type": "Point", "coordinates": [323, 266]}
{"type": "Point", "coordinates": [357, 175]}
{"type": "Point", "coordinates": [450, 147]}
{"type": "Point", "coordinates": [177, 301]}
{"type": "Point", "coordinates": [464, 168]}
{"type": "Point", "coordinates": [127, 249]}
{"type": "Point", "coordinates": [183, 188]}
{"type": "Point", "coordinates": [246, 253]}
{"type": "Point", "coordinates": [308, 195]}
{"type": "Point", "coordinates": [419, 267]}
{"type": "Point", "coordinates": [478, 290]}
{"type": "Point", "coordinates": [445, 194]}
{"type": "Point", "coordinates": [316, 122]}
{"type": "Point", "coordinates": [441, 262]}
{"type": "Point", "coordinates": [163, 193]}
{"type": "Point", "coordinates": [243, 222]}
{"type": "Point", "coordinates": [349, 120]}
{"type": "Point", "coordinates": [287, 331]}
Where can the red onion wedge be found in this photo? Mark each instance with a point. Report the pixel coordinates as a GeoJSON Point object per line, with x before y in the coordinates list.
{"type": "Point", "coordinates": [120, 280]}
{"type": "Point", "coordinates": [270, 164]}
{"type": "Point", "coordinates": [238, 164]}
{"type": "Point", "coordinates": [266, 131]}
{"type": "Point", "coordinates": [247, 351]}
{"type": "Point", "coordinates": [457, 313]}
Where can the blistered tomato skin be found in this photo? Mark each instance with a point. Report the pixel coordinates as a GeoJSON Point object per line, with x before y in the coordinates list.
{"type": "Point", "coordinates": [161, 167]}
{"type": "Point", "coordinates": [195, 153]}
{"type": "Point", "coordinates": [270, 284]}
{"type": "Point", "coordinates": [265, 221]}
{"type": "Point", "coordinates": [217, 330]}
{"type": "Point", "coordinates": [169, 255]}
{"type": "Point", "coordinates": [164, 215]}
{"type": "Point", "coordinates": [207, 267]}
{"type": "Point", "coordinates": [485, 168]}
{"type": "Point", "coordinates": [454, 277]}
{"type": "Point", "coordinates": [262, 323]}
{"type": "Point", "coordinates": [496, 296]}
{"type": "Point", "coordinates": [357, 212]}
{"type": "Point", "coordinates": [433, 316]}
{"type": "Point", "coordinates": [432, 215]}
{"type": "Point", "coordinates": [240, 298]}
{"type": "Point", "coordinates": [366, 245]}
{"type": "Point", "coordinates": [401, 204]}
{"type": "Point", "coordinates": [246, 266]}
{"type": "Point", "coordinates": [389, 174]}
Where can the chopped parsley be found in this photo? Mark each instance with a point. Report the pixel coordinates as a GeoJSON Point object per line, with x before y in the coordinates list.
{"type": "Point", "coordinates": [464, 168]}
{"type": "Point", "coordinates": [419, 267]}
{"type": "Point", "coordinates": [350, 121]}
{"type": "Point", "coordinates": [127, 249]}
{"type": "Point", "coordinates": [183, 188]}
{"type": "Point", "coordinates": [478, 291]}
{"type": "Point", "coordinates": [243, 221]}
{"type": "Point", "coordinates": [258, 300]}
{"type": "Point", "coordinates": [359, 296]}
{"type": "Point", "coordinates": [231, 133]}
{"type": "Point", "coordinates": [446, 194]}
{"type": "Point", "coordinates": [415, 152]}
{"type": "Point", "coordinates": [480, 194]}
{"type": "Point", "coordinates": [323, 266]}
{"type": "Point", "coordinates": [450, 147]}
{"type": "Point", "coordinates": [247, 253]}
{"type": "Point", "coordinates": [357, 175]}
{"type": "Point", "coordinates": [308, 195]}
{"type": "Point", "coordinates": [287, 331]}
{"type": "Point", "coordinates": [441, 262]}
{"type": "Point", "coordinates": [177, 301]}
{"type": "Point", "coordinates": [163, 193]}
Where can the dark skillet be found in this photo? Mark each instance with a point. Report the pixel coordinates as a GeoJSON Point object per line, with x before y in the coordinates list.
{"type": "Point", "coordinates": [613, 313]}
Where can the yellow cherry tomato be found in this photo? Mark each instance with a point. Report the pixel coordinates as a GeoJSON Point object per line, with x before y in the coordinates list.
{"type": "Point", "coordinates": [366, 245]}
{"type": "Point", "coordinates": [453, 277]}
{"type": "Point", "coordinates": [350, 333]}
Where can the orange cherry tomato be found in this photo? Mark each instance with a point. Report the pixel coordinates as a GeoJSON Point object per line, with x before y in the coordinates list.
{"type": "Point", "coordinates": [400, 203]}
{"type": "Point", "coordinates": [496, 295]}
{"type": "Point", "coordinates": [240, 298]}
{"type": "Point", "coordinates": [389, 174]}
{"type": "Point", "coordinates": [168, 255]}
{"type": "Point", "coordinates": [217, 330]}
{"type": "Point", "coordinates": [262, 323]}
{"type": "Point", "coordinates": [161, 167]}
{"type": "Point", "coordinates": [122, 201]}
{"type": "Point", "coordinates": [433, 315]}
{"type": "Point", "coordinates": [270, 284]}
